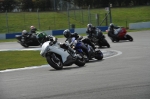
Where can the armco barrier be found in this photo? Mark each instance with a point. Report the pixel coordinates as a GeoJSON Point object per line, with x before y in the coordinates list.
{"type": "Point", "coordinates": [12, 35]}
{"type": "Point", "coordinates": [60, 32]}
{"type": "Point", "coordinates": [51, 32]}
{"type": "Point", "coordinates": [2, 36]}
{"type": "Point", "coordinates": [103, 28]}
{"type": "Point", "coordinates": [139, 25]}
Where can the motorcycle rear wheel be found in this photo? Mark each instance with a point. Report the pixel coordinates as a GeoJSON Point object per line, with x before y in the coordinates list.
{"type": "Point", "coordinates": [53, 63]}
{"type": "Point", "coordinates": [80, 61]}
{"type": "Point", "coordinates": [98, 55]}
{"type": "Point", "coordinates": [129, 38]}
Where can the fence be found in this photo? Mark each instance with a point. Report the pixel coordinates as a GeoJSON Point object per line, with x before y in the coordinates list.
{"type": "Point", "coordinates": [85, 16]}
{"type": "Point", "coordinates": [69, 18]}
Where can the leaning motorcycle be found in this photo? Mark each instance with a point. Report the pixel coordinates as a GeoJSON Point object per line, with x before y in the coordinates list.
{"type": "Point", "coordinates": [99, 39]}
{"type": "Point", "coordinates": [97, 54]}
{"type": "Point", "coordinates": [25, 40]}
{"type": "Point", "coordinates": [28, 39]}
{"type": "Point", "coordinates": [121, 34]}
{"type": "Point", "coordinates": [59, 55]}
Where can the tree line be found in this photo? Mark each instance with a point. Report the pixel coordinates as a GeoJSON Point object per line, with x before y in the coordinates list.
{"type": "Point", "coordinates": [50, 5]}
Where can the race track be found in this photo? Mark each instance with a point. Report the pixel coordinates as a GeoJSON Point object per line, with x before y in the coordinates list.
{"type": "Point", "coordinates": [124, 76]}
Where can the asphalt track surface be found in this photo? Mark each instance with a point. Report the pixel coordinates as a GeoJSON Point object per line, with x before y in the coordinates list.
{"type": "Point", "coordinates": [125, 76]}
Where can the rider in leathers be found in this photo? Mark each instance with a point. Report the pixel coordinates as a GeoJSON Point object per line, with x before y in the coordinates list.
{"type": "Point", "coordinates": [33, 33]}
{"type": "Point", "coordinates": [91, 30]}
{"type": "Point", "coordinates": [111, 31]}
{"type": "Point", "coordinates": [72, 37]}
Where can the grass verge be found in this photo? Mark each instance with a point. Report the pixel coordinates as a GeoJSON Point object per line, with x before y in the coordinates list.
{"type": "Point", "coordinates": [20, 59]}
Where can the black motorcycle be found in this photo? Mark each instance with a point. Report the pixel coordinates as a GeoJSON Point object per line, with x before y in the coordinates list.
{"type": "Point", "coordinates": [99, 39]}
{"type": "Point", "coordinates": [28, 39]}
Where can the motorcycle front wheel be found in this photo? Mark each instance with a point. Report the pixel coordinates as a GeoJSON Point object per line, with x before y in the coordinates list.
{"type": "Point", "coordinates": [24, 44]}
{"type": "Point", "coordinates": [54, 62]}
{"type": "Point", "coordinates": [105, 43]}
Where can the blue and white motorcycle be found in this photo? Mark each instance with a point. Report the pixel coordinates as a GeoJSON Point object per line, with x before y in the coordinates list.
{"type": "Point", "coordinates": [97, 54]}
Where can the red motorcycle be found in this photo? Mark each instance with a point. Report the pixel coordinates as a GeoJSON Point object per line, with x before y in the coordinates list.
{"type": "Point", "coordinates": [120, 34]}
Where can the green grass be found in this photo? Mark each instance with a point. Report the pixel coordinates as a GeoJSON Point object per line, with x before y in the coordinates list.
{"type": "Point", "coordinates": [20, 59]}
{"type": "Point", "coordinates": [7, 40]}
{"type": "Point", "coordinates": [59, 20]}
{"type": "Point", "coordinates": [131, 15]}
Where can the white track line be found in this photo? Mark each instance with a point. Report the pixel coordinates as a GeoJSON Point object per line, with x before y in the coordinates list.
{"type": "Point", "coordinates": [118, 53]}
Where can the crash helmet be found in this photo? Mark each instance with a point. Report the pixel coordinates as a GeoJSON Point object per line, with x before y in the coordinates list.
{"type": "Point", "coordinates": [24, 32]}
{"type": "Point", "coordinates": [111, 25]}
{"type": "Point", "coordinates": [89, 25]}
{"type": "Point", "coordinates": [52, 39]}
{"type": "Point", "coordinates": [32, 27]}
{"type": "Point", "coordinates": [67, 33]}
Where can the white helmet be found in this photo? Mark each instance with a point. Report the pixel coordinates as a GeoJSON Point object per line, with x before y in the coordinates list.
{"type": "Point", "coordinates": [89, 25]}
{"type": "Point", "coordinates": [24, 31]}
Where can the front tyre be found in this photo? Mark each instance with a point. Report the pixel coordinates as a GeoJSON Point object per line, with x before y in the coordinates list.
{"type": "Point", "coordinates": [106, 43]}
{"type": "Point", "coordinates": [24, 45]}
{"type": "Point", "coordinates": [54, 62]}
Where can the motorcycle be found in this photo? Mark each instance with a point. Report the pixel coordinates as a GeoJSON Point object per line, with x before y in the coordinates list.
{"type": "Point", "coordinates": [121, 34]}
{"type": "Point", "coordinates": [99, 39]}
{"type": "Point", "coordinates": [97, 54]}
{"type": "Point", "coordinates": [28, 39]}
{"type": "Point", "coordinates": [59, 55]}
{"type": "Point", "coordinates": [25, 40]}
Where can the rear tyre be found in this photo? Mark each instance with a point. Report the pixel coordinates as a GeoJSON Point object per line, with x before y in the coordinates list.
{"type": "Point", "coordinates": [58, 65]}
{"type": "Point", "coordinates": [117, 40]}
{"type": "Point", "coordinates": [80, 61]}
{"type": "Point", "coordinates": [129, 38]}
{"type": "Point", "coordinates": [98, 55]}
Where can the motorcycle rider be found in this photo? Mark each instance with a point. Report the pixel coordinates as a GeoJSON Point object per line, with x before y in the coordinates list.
{"type": "Point", "coordinates": [94, 33]}
{"type": "Point", "coordinates": [24, 32]}
{"type": "Point", "coordinates": [62, 45]}
{"type": "Point", "coordinates": [111, 32]}
{"type": "Point", "coordinates": [72, 37]}
{"type": "Point", "coordinates": [32, 29]}
{"type": "Point", "coordinates": [33, 32]}
{"type": "Point", "coordinates": [91, 30]}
